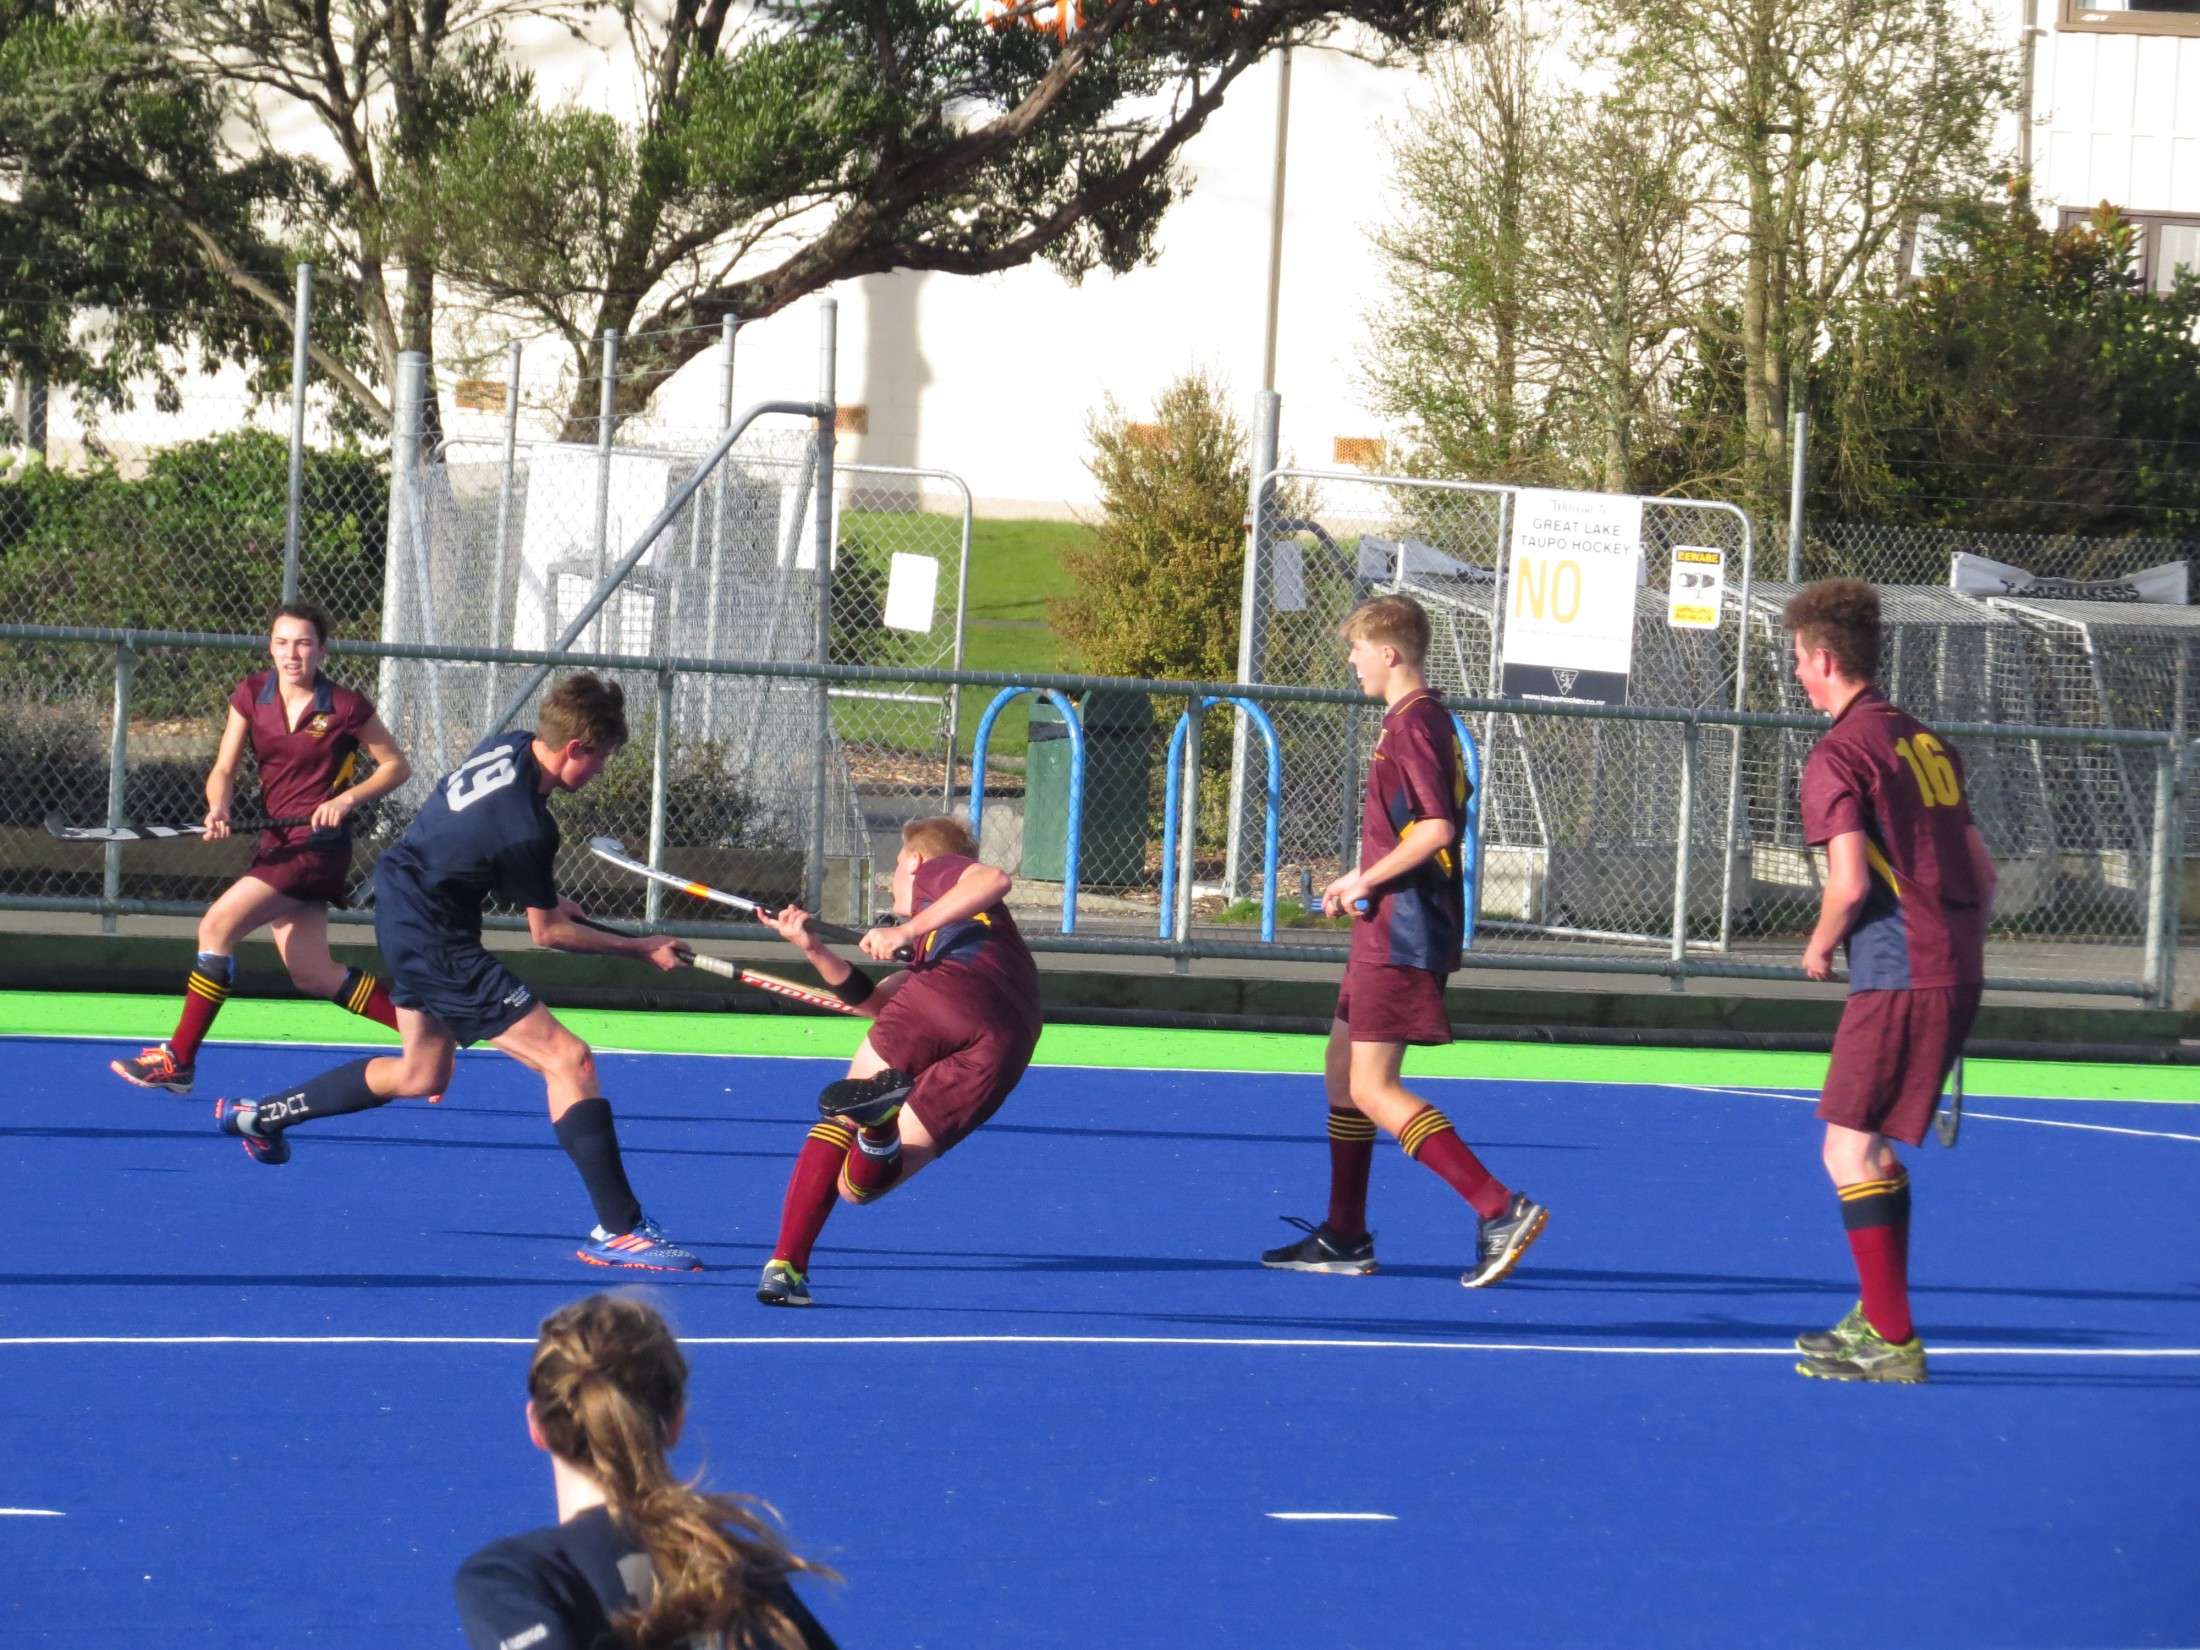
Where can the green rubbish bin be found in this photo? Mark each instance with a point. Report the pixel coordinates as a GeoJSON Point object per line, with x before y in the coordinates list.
{"type": "Point", "coordinates": [1118, 759]}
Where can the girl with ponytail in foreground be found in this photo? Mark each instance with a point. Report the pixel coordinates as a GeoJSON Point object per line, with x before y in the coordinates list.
{"type": "Point", "coordinates": [638, 1560]}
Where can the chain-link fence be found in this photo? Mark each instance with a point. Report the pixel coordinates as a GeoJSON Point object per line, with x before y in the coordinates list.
{"type": "Point", "coordinates": [1575, 812]}
{"type": "Point", "coordinates": [2076, 914]}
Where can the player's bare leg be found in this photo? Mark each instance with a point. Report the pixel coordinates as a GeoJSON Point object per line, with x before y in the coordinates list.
{"type": "Point", "coordinates": [1341, 1245]}
{"type": "Point", "coordinates": [244, 907]}
{"type": "Point", "coordinates": [1877, 1340]}
{"type": "Point", "coordinates": [1509, 1220]}
{"type": "Point", "coordinates": [581, 1116]}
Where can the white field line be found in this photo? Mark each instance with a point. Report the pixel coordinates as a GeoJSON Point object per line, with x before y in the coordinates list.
{"type": "Point", "coordinates": [30, 1512]}
{"type": "Point", "coordinates": [1261, 1343]}
{"type": "Point", "coordinates": [1968, 1113]}
{"type": "Point", "coordinates": [1335, 1518]}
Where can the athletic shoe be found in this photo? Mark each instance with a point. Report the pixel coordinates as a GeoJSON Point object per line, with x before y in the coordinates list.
{"type": "Point", "coordinates": [646, 1249]}
{"type": "Point", "coordinates": [782, 1285]}
{"type": "Point", "coordinates": [1868, 1355]}
{"type": "Point", "coordinates": [240, 1118]}
{"type": "Point", "coordinates": [156, 1068]}
{"type": "Point", "coordinates": [867, 1102]}
{"type": "Point", "coordinates": [1827, 1343]}
{"type": "Point", "coordinates": [1323, 1249]}
{"type": "Point", "coordinates": [1504, 1240]}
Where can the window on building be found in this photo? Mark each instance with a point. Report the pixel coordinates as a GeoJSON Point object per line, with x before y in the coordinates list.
{"type": "Point", "coordinates": [2131, 16]}
{"type": "Point", "coordinates": [2166, 242]}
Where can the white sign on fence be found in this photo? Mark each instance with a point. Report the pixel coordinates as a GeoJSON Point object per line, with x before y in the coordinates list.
{"type": "Point", "coordinates": [1698, 588]}
{"type": "Point", "coordinates": [1570, 596]}
{"type": "Point", "coordinates": [912, 587]}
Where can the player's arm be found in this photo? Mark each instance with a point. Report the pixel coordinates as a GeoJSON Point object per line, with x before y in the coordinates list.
{"type": "Point", "coordinates": [842, 978]}
{"type": "Point", "coordinates": [553, 928]}
{"type": "Point", "coordinates": [975, 890]}
{"type": "Point", "coordinates": [1982, 868]}
{"type": "Point", "coordinates": [221, 778]}
{"type": "Point", "coordinates": [1848, 882]}
{"type": "Point", "coordinates": [1420, 842]}
{"type": "Point", "coordinates": [390, 771]}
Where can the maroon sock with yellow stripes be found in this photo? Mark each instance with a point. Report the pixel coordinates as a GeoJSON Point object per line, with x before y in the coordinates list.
{"type": "Point", "coordinates": [368, 996]}
{"type": "Point", "coordinates": [873, 1168]}
{"type": "Point", "coordinates": [1432, 1142]}
{"type": "Point", "coordinates": [1351, 1155]}
{"type": "Point", "coordinates": [205, 989]}
{"type": "Point", "coordinates": [1877, 1216]}
{"type": "Point", "coordinates": [812, 1190]}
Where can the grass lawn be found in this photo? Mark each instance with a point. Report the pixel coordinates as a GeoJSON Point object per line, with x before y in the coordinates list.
{"type": "Point", "coordinates": [1015, 566]}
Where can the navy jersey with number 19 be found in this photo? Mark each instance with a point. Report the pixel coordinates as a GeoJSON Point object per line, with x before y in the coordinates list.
{"type": "Point", "coordinates": [484, 833]}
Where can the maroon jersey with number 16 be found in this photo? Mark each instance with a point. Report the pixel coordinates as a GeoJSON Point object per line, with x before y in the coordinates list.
{"type": "Point", "coordinates": [1880, 771]}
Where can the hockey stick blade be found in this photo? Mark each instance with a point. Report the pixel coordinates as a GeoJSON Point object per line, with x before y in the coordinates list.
{"type": "Point", "coordinates": [1951, 1107]}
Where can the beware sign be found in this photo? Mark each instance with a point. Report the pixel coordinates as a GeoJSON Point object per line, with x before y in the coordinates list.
{"type": "Point", "coordinates": [1699, 586]}
{"type": "Point", "coordinates": [1570, 596]}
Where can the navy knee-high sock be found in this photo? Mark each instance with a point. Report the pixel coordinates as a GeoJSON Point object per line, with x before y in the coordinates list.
{"type": "Point", "coordinates": [332, 1094]}
{"type": "Point", "coordinates": [591, 1140]}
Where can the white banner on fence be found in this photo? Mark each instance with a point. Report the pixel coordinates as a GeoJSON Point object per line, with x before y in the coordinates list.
{"type": "Point", "coordinates": [1570, 595]}
{"type": "Point", "coordinates": [1698, 588]}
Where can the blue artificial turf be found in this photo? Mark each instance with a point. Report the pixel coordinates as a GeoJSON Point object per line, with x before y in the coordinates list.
{"type": "Point", "coordinates": [1551, 1479]}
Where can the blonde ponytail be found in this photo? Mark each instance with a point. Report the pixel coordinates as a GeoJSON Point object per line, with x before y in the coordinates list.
{"type": "Point", "coordinates": [609, 1385]}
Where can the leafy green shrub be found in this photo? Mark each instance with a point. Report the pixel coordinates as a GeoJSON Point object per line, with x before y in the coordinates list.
{"type": "Point", "coordinates": [196, 543]}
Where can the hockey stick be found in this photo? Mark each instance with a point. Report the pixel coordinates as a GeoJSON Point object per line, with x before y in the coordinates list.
{"type": "Point", "coordinates": [56, 826]}
{"type": "Point", "coordinates": [1951, 1110]}
{"type": "Point", "coordinates": [612, 851]}
{"type": "Point", "coordinates": [733, 971]}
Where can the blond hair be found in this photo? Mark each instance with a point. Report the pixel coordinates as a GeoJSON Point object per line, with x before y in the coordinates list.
{"type": "Point", "coordinates": [1390, 621]}
{"type": "Point", "coordinates": [937, 835]}
{"type": "Point", "coordinates": [583, 707]}
{"type": "Point", "coordinates": [609, 1386]}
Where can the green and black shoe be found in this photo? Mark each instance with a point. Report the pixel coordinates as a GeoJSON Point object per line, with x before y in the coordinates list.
{"type": "Point", "coordinates": [1825, 1343]}
{"type": "Point", "coordinates": [1867, 1355]}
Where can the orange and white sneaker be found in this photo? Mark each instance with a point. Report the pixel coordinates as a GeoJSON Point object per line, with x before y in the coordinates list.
{"type": "Point", "coordinates": [646, 1249]}
{"type": "Point", "coordinates": [156, 1068]}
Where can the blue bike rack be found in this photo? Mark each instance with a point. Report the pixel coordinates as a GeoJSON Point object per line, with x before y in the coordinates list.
{"type": "Point", "coordinates": [1274, 814]}
{"type": "Point", "coordinates": [1075, 833]}
{"type": "Point", "coordinates": [1472, 754]}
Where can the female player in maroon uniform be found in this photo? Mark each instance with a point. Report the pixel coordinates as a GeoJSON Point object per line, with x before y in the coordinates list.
{"type": "Point", "coordinates": [306, 733]}
{"type": "Point", "coordinates": [954, 1033]}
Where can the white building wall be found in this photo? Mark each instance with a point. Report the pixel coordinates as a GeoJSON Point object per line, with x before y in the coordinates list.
{"type": "Point", "coordinates": [2118, 120]}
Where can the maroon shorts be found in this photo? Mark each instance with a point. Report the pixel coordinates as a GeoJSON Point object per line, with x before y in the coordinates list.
{"type": "Point", "coordinates": [304, 872]}
{"type": "Point", "coordinates": [1384, 1003]}
{"type": "Point", "coordinates": [1891, 1058]}
{"type": "Point", "coordinates": [964, 1047]}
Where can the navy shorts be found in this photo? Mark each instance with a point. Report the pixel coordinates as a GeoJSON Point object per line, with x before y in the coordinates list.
{"type": "Point", "coordinates": [449, 976]}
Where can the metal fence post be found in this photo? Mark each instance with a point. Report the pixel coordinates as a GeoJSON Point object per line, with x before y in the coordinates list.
{"type": "Point", "coordinates": [660, 771]}
{"type": "Point", "coordinates": [1188, 835]}
{"type": "Point", "coordinates": [301, 343]}
{"type": "Point", "coordinates": [1252, 619]}
{"type": "Point", "coordinates": [1682, 855]}
{"type": "Point", "coordinates": [714, 586]}
{"type": "Point", "coordinates": [2164, 879]}
{"type": "Point", "coordinates": [118, 760]}
{"type": "Point", "coordinates": [504, 524]}
{"type": "Point", "coordinates": [1795, 499]}
{"type": "Point", "coordinates": [822, 538]}
{"type": "Point", "coordinates": [607, 419]}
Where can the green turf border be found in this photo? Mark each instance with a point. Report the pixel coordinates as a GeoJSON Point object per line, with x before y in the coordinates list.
{"type": "Point", "coordinates": [135, 1020]}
